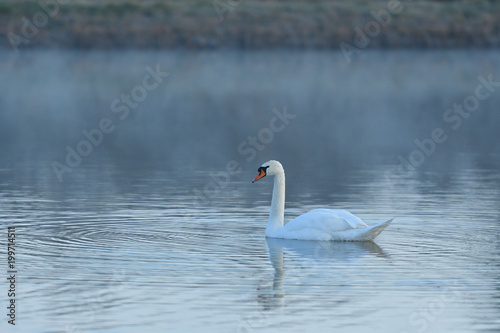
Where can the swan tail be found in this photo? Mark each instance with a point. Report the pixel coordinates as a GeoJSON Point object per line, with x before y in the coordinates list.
{"type": "Point", "coordinates": [361, 235]}
{"type": "Point", "coordinates": [373, 231]}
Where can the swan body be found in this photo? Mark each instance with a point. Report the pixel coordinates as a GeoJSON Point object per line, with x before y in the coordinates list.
{"type": "Point", "coordinates": [317, 224]}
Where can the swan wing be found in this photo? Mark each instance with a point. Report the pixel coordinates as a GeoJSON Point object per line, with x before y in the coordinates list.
{"type": "Point", "coordinates": [320, 224]}
{"type": "Point", "coordinates": [331, 219]}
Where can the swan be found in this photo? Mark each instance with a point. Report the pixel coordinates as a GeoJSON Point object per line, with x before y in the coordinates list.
{"type": "Point", "coordinates": [317, 224]}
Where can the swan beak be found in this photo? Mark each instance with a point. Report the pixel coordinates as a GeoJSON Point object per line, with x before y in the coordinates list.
{"type": "Point", "coordinates": [261, 174]}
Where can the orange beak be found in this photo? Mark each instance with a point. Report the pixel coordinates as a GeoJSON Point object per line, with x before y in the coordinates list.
{"type": "Point", "coordinates": [261, 174]}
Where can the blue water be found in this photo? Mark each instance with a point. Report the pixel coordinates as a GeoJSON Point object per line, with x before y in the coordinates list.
{"type": "Point", "coordinates": [149, 232]}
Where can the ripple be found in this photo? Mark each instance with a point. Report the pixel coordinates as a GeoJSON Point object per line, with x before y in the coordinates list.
{"type": "Point", "coordinates": [141, 262]}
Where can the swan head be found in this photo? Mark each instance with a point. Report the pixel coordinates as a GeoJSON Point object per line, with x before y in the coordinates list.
{"type": "Point", "coordinates": [270, 168]}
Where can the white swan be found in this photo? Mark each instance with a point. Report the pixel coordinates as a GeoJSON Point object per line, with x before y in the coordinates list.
{"type": "Point", "coordinates": [317, 224]}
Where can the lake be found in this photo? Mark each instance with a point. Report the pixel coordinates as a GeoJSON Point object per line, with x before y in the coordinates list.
{"type": "Point", "coordinates": [130, 190]}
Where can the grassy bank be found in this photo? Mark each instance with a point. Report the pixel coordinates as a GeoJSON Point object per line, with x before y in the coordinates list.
{"type": "Point", "coordinates": [249, 24]}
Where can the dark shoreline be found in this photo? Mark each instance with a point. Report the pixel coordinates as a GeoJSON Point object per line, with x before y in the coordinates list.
{"type": "Point", "coordinates": [251, 25]}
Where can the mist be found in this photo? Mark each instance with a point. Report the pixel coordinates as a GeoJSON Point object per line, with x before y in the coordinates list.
{"type": "Point", "coordinates": [211, 104]}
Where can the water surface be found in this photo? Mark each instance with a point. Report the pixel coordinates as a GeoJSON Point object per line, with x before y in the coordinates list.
{"type": "Point", "coordinates": [147, 233]}
{"type": "Point", "coordinates": [144, 256]}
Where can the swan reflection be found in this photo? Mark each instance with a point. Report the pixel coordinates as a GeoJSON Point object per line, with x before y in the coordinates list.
{"type": "Point", "coordinates": [307, 256]}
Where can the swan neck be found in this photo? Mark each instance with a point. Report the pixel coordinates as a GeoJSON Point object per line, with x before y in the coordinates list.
{"type": "Point", "coordinates": [277, 214]}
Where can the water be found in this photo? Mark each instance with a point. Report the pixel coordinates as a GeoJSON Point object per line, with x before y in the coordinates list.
{"type": "Point", "coordinates": [144, 256]}
{"type": "Point", "coordinates": [147, 234]}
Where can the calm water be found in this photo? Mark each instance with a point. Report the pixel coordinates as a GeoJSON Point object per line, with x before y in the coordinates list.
{"type": "Point", "coordinates": [146, 234]}
{"type": "Point", "coordinates": [140, 254]}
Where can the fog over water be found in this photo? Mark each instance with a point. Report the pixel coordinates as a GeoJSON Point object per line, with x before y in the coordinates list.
{"type": "Point", "coordinates": [211, 102]}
